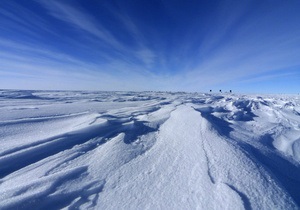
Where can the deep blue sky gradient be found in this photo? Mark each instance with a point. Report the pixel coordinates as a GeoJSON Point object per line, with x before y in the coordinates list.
{"type": "Point", "coordinates": [247, 46]}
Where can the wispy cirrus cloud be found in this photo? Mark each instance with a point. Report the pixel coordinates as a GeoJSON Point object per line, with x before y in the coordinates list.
{"type": "Point", "coordinates": [161, 45]}
{"type": "Point", "coordinates": [80, 20]}
{"type": "Point", "coordinates": [250, 49]}
{"type": "Point", "coordinates": [29, 65]}
{"type": "Point", "coordinates": [83, 21]}
{"type": "Point", "coordinates": [34, 59]}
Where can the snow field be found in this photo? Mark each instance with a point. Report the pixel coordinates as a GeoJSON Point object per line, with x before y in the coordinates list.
{"type": "Point", "coordinates": [148, 150]}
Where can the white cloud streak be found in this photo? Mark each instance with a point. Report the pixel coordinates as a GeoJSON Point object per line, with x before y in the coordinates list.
{"type": "Point", "coordinates": [249, 51]}
{"type": "Point", "coordinates": [80, 20]}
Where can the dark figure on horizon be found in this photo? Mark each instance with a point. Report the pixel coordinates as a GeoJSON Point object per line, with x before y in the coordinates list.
{"type": "Point", "coordinates": [220, 91]}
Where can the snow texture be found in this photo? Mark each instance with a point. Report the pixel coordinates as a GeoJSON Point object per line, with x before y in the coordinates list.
{"type": "Point", "coordinates": [148, 150]}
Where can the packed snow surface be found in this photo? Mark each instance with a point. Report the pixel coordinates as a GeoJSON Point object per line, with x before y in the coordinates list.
{"type": "Point", "coordinates": [148, 150]}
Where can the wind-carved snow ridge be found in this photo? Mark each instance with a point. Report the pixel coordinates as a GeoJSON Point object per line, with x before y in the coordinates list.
{"type": "Point", "coordinates": [274, 166]}
{"type": "Point", "coordinates": [148, 150]}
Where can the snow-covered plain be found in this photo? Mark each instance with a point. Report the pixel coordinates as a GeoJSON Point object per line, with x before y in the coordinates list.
{"type": "Point", "coordinates": [148, 150]}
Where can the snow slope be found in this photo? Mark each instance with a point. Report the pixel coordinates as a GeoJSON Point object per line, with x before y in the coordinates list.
{"type": "Point", "coordinates": [148, 150]}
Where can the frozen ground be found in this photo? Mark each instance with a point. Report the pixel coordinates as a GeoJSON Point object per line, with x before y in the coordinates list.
{"type": "Point", "coordinates": [148, 150]}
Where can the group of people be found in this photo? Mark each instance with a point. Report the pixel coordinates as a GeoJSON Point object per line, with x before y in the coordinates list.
{"type": "Point", "coordinates": [230, 91]}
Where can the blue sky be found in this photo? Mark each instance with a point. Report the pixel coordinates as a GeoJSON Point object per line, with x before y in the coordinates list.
{"type": "Point", "coordinates": [176, 45]}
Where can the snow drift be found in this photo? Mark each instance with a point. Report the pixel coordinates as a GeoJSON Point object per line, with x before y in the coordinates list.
{"type": "Point", "coordinates": [148, 150]}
